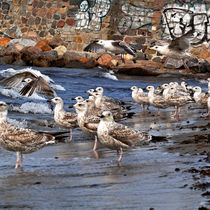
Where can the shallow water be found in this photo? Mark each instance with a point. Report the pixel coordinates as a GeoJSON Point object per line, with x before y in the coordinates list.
{"type": "Point", "coordinates": [69, 176]}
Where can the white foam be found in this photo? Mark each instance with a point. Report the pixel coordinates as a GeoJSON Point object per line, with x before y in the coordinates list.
{"type": "Point", "coordinates": [31, 107]}
{"type": "Point", "coordinates": [110, 75]}
{"type": "Point", "coordinates": [17, 123]}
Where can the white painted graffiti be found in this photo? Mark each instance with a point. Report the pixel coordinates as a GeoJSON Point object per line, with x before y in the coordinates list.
{"type": "Point", "coordinates": [178, 19]}
{"type": "Point", "coordinates": [90, 18]}
{"type": "Point", "coordinates": [135, 17]}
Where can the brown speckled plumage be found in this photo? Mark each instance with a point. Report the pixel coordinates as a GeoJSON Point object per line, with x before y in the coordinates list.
{"type": "Point", "coordinates": [20, 140]}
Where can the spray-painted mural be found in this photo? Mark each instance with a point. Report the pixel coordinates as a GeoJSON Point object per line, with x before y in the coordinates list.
{"type": "Point", "coordinates": [91, 17]}
{"type": "Point", "coordinates": [181, 18]}
{"type": "Point", "coordinates": [135, 17]}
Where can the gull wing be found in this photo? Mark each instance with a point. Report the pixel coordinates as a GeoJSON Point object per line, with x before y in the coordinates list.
{"type": "Point", "coordinates": [92, 122]}
{"type": "Point", "coordinates": [40, 86]}
{"type": "Point", "coordinates": [125, 46]}
{"type": "Point", "coordinates": [123, 134]}
{"type": "Point", "coordinates": [93, 47]}
{"type": "Point", "coordinates": [15, 80]}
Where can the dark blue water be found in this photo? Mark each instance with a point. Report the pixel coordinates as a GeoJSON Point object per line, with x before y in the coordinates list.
{"type": "Point", "coordinates": [69, 176]}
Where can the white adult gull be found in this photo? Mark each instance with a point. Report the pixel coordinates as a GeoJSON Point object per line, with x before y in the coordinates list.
{"type": "Point", "coordinates": [116, 47]}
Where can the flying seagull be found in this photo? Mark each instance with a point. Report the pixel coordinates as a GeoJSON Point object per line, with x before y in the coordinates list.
{"type": "Point", "coordinates": [178, 46]}
{"type": "Point", "coordinates": [176, 49]}
{"type": "Point", "coordinates": [34, 83]}
{"type": "Point", "coordinates": [113, 46]}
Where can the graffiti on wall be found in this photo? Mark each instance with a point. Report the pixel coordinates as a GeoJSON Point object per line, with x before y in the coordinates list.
{"type": "Point", "coordinates": [91, 17]}
{"type": "Point", "coordinates": [178, 19]}
{"type": "Point", "coordinates": [135, 17]}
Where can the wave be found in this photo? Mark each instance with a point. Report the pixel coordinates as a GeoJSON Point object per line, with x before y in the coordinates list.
{"type": "Point", "coordinates": [31, 107]}
{"type": "Point", "coordinates": [18, 123]}
{"type": "Point", "coordinates": [110, 75]}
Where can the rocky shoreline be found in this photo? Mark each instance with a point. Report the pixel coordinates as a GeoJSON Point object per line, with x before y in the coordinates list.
{"type": "Point", "coordinates": [51, 52]}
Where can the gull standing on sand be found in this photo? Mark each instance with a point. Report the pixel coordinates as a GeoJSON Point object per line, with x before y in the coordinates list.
{"type": "Point", "coordinates": [140, 97]}
{"type": "Point", "coordinates": [20, 140]}
{"type": "Point", "coordinates": [156, 100]}
{"type": "Point", "coordinates": [63, 118]}
{"type": "Point", "coordinates": [117, 136]}
{"type": "Point", "coordinates": [87, 122]}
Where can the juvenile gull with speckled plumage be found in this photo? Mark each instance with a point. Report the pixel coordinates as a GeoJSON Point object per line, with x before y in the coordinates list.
{"type": "Point", "coordinates": [64, 118]}
{"type": "Point", "coordinates": [20, 140]}
{"type": "Point", "coordinates": [117, 136]}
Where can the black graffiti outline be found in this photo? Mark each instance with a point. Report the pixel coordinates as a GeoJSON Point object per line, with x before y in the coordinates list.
{"type": "Point", "coordinates": [130, 19]}
{"type": "Point", "coordinates": [191, 23]}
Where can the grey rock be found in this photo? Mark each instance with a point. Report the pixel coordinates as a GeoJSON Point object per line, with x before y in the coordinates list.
{"type": "Point", "coordinates": [23, 42]}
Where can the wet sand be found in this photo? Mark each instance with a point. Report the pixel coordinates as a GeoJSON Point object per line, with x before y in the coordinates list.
{"type": "Point", "coordinates": [170, 174]}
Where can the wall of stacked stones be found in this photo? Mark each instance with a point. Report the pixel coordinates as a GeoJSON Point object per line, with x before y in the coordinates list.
{"type": "Point", "coordinates": [78, 22]}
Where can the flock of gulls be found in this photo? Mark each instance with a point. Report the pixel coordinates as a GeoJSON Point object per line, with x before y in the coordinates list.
{"type": "Point", "coordinates": [96, 116]}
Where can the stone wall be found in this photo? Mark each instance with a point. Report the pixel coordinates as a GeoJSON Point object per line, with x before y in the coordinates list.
{"type": "Point", "coordinates": [80, 22]}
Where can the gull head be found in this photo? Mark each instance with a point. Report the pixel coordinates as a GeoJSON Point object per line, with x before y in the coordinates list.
{"type": "Point", "coordinates": [150, 88]}
{"type": "Point", "coordinates": [90, 91]}
{"type": "Point", "coordinates": [3, 106]}
{"type": "Point", "coordinates": [78, 99]}
{"type": "Point", "coordinates": [99, 90]}
{"type": "Point", "coordinates": [57, 100]}
{"type": "Point", "coordinates": [107, 116]}
{"type": "Point", "coordinates": [101, 42]}
{"type": "Point", "coordinates": [197, 89]}
{"type": "Point", "coordinates": [27, 80]}
{"type": "Point", "coordinates": [164, 86]}
{"type": "Point", "coordinates": [80, 106]}
{"type": "Point", "coordinates": [133, 88]}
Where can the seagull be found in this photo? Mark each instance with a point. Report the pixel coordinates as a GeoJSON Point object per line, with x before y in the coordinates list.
{"type": "Point", "coordinates": [176, 98]}
{"type": "Point", "coordinates": [113, 46]}
{"type": "Point", "coordinates": [78, 99]}
{"type": "Point", "coordinates": [199, 97]}
{"type": "Point", "coordinates": [208, 105]}
{"type": "Point", "coordinates": [20, 140]}
{"type": "Point", "coordinates": [87, 122]}
{"type": "Point", "coordinates": [34, 83]}
{"type": "Point", "coordinates": [177, 48]}
{"type": "Point", "coordinates": [156, 100]}
{"type": "Point", "coordinates": [63, 118]}
{"type": "Point", "coordinates": [118, 136]}
{"type": "Point", "coordinates": [139, 96]}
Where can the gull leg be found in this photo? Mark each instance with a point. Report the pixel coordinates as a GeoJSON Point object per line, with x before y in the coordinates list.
{"type": "Point", "coordinates": [122, 57]}
{"type": "Point", "coordinates": [21, 159]}
{"type": "Point", "coordinates": [147, 107]}
{"type": "Point", "coordinates": [120, 157]}
{"type": "Point", "coordinates": [95, 144]}
{"type": "Point", "coordinates": [17, 161]}
{"type": "Point", "coordinates": [185, 65]}
{"type": "Point", "coordinates": [70, 135]}
{"type": "Point", "coordinates": [208, 114]}
{"type": "Point", "coordinates": [158, 111]}
{"type": "Point", "coordinates": [176, 114]}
